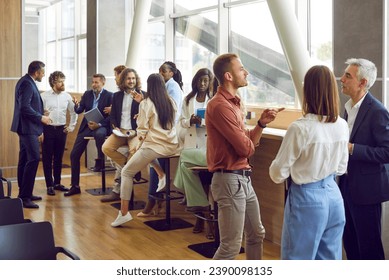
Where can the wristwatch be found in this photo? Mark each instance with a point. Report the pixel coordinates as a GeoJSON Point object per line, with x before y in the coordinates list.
{"type": "Point", "coordinates": [260, 124]}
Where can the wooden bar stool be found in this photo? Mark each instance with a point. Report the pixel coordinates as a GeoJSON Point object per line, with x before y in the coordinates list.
{"type": "Point", "coordinates": [168, 223]}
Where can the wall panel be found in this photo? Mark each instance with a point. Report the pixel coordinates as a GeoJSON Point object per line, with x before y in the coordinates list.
{"type": "Point", "coordinates": [10, 71]}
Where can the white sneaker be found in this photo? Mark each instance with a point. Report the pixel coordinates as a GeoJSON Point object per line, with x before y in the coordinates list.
{"type": "Point", "coordinates": [161, 184]}
{"type": "Point", "coordinates": [121, 219]}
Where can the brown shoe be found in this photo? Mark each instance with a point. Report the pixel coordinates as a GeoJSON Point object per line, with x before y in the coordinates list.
{"type": "Point", "coordinates": [111, 197]}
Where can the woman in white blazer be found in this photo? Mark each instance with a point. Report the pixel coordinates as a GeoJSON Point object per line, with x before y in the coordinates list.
{"type": "Point", "coordinates": [192, 135]}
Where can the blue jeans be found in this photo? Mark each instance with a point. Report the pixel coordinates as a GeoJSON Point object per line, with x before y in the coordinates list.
{"type": "Point", "coordinates": [314, 220]}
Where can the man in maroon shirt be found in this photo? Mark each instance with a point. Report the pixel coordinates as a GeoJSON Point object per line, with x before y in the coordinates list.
{"type": "Point", "coordinates": [229, 145]}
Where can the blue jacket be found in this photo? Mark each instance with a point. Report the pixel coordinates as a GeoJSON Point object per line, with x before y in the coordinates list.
{"type": "Point", "coordinates": [28, 109]}
{"type": "Point", "coordinates": [368, 167]}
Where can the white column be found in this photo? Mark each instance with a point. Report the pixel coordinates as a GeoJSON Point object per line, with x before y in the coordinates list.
{"type": "Point", "coordinates": [292, 42]}
{"type": "Point", "coordinates": [138, 30]}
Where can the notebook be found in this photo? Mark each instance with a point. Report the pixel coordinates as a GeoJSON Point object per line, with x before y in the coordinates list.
{"type": "Point", "coordinates": [93, 115]}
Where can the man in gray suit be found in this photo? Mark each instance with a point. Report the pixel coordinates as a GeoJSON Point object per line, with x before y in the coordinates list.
{"type": "Point", "coordinates": [28, 121]}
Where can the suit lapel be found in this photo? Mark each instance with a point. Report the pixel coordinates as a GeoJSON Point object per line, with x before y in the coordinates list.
{"type": "Point", "coordinates": [37, 93]}
{"type": "Point", "coordinates": [120, 104]}
{"type": "Point", "coordinates": [365, 107]}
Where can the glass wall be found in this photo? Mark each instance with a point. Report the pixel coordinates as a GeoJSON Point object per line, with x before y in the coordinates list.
{"type": "Point", "coordinates": [261, 53]}
{"type": "Point", "coordinates": [202, 30]}
{"type": "Point", "coordinates": [321, 32]}
{"type": "Point", "coordinates": [153, 52]}
{"type": "Point", "coordinates": [195, 45]}
{"type": "Point", "coordinates": [200, 27]}
{"type": "Point", "coordinates": [64, 49]}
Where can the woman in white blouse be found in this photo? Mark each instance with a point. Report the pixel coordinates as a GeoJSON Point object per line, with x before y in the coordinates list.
{"type": "Point", "coordinates": [313, 152]}
{"type": "Point", "coordinates": [157, 134]}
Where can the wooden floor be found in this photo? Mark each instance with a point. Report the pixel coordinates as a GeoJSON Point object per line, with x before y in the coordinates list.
{"type": "Point", "coordinates": [82, 224]}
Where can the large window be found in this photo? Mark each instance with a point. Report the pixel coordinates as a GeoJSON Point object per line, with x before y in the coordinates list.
{"type": "Point", "coordinates": [200, 30]}
{"type": "Point", "coordinates": [204, 29]}
{"type": "Point", "coordinates": [154, 51]}
{"type": "Point", "coordinates": [64, 32]}
{"type": "Point", "coordinates": [261, 53]}
{"type": "Point", "coordinates": [195, 45]}
{"type": "Point", "coordinates": [321, 32]}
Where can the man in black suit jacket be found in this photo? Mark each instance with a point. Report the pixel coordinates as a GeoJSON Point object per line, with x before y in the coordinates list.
{"type": "Point", "coordinates": [366, 184]}
{"type": "Point", "coordinates": [125, 108]}
{"type": "Point", "coordinates": [28, 121]}
{"type": "Point", "coordinates": [96, 97]}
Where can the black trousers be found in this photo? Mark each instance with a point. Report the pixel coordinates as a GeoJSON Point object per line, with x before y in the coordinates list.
{"type": "Point", "coordinates": [28, 164]}
{"type": "Point", "coordinates": [362, 232]}
{"type": "Point", "coordinates": [53, 148]}
{"type": "Point", "coordinates": [80, 146]}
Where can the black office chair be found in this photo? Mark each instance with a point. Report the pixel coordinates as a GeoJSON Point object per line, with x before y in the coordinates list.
{"type": "Point", "coordinates": [11, 212]}
{"type": "Point", "coordinates": [9, 186]}
{"type": "Point", "coordinates": [30, 241]}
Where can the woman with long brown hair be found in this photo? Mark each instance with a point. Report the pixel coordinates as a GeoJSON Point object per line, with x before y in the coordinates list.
{"type": "Point", "coordinates": [157, 135]}
{"type": "Point", "coordinates": [314, 151]}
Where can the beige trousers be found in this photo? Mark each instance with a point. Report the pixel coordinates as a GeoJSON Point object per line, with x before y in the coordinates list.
{"type": "Point", "coordinates": [113, 143]}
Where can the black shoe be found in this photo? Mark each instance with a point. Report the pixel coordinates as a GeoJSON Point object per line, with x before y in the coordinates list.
{"type": "Point", "coordinates": [35, 198]}
{"type": "Point", "coordinates": [61, 188]}
{"type": "Point", "coordinates": [73, 190]}
{"type": "Point", "coordinates": [50, 191]}
{"type": "Point", "coordinates": [27, 203]}
{"type": "Point", "coordinates": [98, 165]}
{"type": "Point", "coordinates": [138, 176]}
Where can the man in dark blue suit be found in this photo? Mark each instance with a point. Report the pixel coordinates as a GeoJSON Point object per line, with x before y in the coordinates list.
{"type": "Point", "coordinates": [366, 184]}
{"type": "Point", "coordinates": [96, 97]}
{"type": "Point", "coordinates": [28, 121]}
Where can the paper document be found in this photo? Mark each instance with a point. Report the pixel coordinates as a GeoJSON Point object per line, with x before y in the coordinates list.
{"type": "Point", "coordinates": [129, 134]}
{"type": "Point", "coordinates": [93, 115]}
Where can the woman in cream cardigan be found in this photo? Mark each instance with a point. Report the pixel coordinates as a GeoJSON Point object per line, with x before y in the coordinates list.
{"type": "Point", "coordinates": [157, 134]}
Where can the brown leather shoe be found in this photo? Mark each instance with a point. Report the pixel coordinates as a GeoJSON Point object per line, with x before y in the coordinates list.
{"type": "Point", "coordinates": [111, 197]}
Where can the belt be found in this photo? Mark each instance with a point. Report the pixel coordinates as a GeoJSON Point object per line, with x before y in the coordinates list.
{"type": "Point", "coordinates": [243, 172]}
{"type": "Point", "coordinates": [55, 126]}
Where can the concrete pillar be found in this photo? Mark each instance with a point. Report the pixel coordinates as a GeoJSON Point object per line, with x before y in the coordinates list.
{"type": "Point", "coordinates": [139, 26]}
{"type": "Point", "coordinates": [292, 41]}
